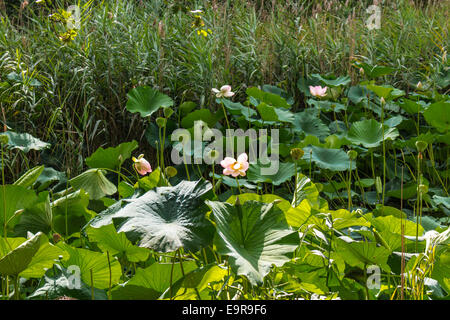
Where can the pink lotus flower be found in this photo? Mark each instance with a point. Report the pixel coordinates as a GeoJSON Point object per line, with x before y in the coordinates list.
{"type": "Point", "coordinates": [318, 91]}
{"type": "Point", "coordinates": [235, 167]}
{"type": "Point", "coordinates": [225, 91]}
{"type": "Point", "coordinates": [141, 165]}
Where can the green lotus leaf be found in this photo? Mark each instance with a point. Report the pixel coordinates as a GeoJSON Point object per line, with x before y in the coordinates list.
{"type": "Point", "coordinates": [284, 173]}
{"type": "Point", "coordinates": [93, 182]}
{"type": "Point", "coordinates": [305, 189]}
{"type": "Point", "coordinates": [18, 258]}
{"type": "Point", "coordinates": [146, 101]}
{"type": "Point", "coordinates": [16, 198]}
{"type": "Point", "coordinates": [326, 105]}
{"type": "Point", "coordinates": [303, 214]}
{"type": "Point", "coordinates": [29, 177]}
{"type": "Point", "coordinates": [281, 203]}
{"type": "Point", "coordinates": [25, 142]}
{"type": "Point", "coordinates": [361, 253]}
{"type": "Point", "coordinates": [444, 201]}
{"type": "Point", "coordinates": [187, 107]}
{"type": "Point", "coordinates": [44, 259]}
{"type": "Point", "coordinates": [381, 91]}
{"type": "Point", "coordinates": [438, 115]}
{"type": "Point", "coordinates": [441, 270]}
{"type": "Point", "coordinates": [111, 158]}
{"type": "Point", "coordinates": [154, 281]}
{"type": "Point", "coordinates": [35, 218]}
{"type": "Point", "coordinates": [331, 159]}
{"type": "Point", "coordinates": [63, 283]}
{"type": "Point", "coordinates": [279, 92]}
{"type": "Point", "coordinates": [204, 115]}
{"type": "Point", "coordinates": [268, 98]}
{"type": "Point", "coordinates": [356, 94]}
{"type": "Point", "coordinates": [125, 189]}
{"type": "Point", "coordinates": [310, 124]}
{"type": "Point", "coordinates": [254, 236]}
{"type": "Point", "coordinates": [343, 219]}
{"type": "Point", "coordinates": [341, 81]}
{"type": "Point", "coordinates": [70, 212]}
{"type": "Point", "coordinates": [47, 177]}
{"type": "Point", "coordinates": [369, 133]}
{"type": "Point", "coordinates": [109, 240]}
{"type": "Point", "coordinates": [271, 114]}
{"type": "Point", "coordinates": [201, 277]}
{"type": "Point", "coordinates": [374, 71]}
{"type": "Point", "coordinates": [166, 218]}
{"type": "Point", "coordinates": [237, 108]}
{"type": "Point", "coordinates": [104, 271]}
{"type": "Point", "coordinates": [410, 106]}
{"type": "Point", "coordinates": [389, 228]}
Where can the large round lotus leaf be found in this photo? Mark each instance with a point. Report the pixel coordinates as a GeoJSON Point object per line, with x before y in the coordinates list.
{"type": "Point", "coordinates": [254, 236]}
{"type": "Point", "coordinates": [309, 123]}
{"type": "Point", "coordinates": [361, 253]}
{"type": "Point", "coordinates": [86, 263]}
{"type": "Point", "coordinates": [369, 133]}
{"type": "Point", "coordinates": [381, 91]}
{"type": "Point", "coordinates": [305, 189]}
{"type": "Point", "coordinates": [265, 173]}
{"type": "Point", "coordinates": [44, 259]}
{"type": "Point", "coordinates": [35, 218]}
{"type": "Point", "coordinates": [154, 281]}
{"type": "Point", "coordinates": [18, 259]}
{"type": "Point", "coordinates": [201, 115]}
{"type": "Point", "coordinates": [166, 218]}
{"type": "Point", "coordinates": [410, 106]}
{"type": "Point", "coordinates": [69, 212]}
{"type": "Point", "coordinates": [331, 159]}
{"type": "Point", "coordinates": [441, 270]}
{"type": "Point", "coordinates": [25, 142]}
{"type": "Point", "coordinates": [111, 158]}
{"type": "Point", "coordinates": [270, 113]}
{"type": "Point", "coordinates": [95, 183]}
{"type": "Point", "coordinates": [281, 203]}
{"type": "Point", "coordinates": [237, 108]}
{"type": "Point", "coordinates": [341, 81]}
{"type": "Point", "coordinates": [62, 282]}
{"type": "Point", "coordinates": [438, 115]}
{"type": "Point", "coordinates": [17, 197]}
{"type": "Point", "coordinates": [109, 240]}
{"type": "Point", "coordinates": [268, 98]}
{"type": "Point", "coordinates": [279, 92]}
{"type": "Point", "coordinates": [146, 101]}
{"type": "Point", "coordinates": [356, 94]}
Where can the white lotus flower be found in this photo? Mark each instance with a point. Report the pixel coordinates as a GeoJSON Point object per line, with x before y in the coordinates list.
{"type": "Point", "coordinates": [225, 91]}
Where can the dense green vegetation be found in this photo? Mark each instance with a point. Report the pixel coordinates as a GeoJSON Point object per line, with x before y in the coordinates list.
{"type": "Point", "coordinates": [94, 205]}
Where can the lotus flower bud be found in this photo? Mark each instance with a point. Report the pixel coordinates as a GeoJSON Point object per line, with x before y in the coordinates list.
{"type": "Point", "coordinates": [422, 189]}
{"type": "Point", "coordinates": [4, 139]}
{"type": "Point", "coordinates": [352, 154]}
{"type": "Point", "coordinates": [142, 165]}
{"type": "Point", "coordinates": [168, 112]}
{"type": "Point", "coordinates": [161, 122]}
{"type": "Point", "coordinates": [419, 85]}
{"type": "Point", "coordinates": [171, 171]}
{"type": "Point", "coordinates": [297, 154]}
{"type": "Point", "coordinates": [421, 145]}
{"type": "Point", "coordinates": [213, 155]}
{"type": "Point", "coordinates": [379, 185]}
